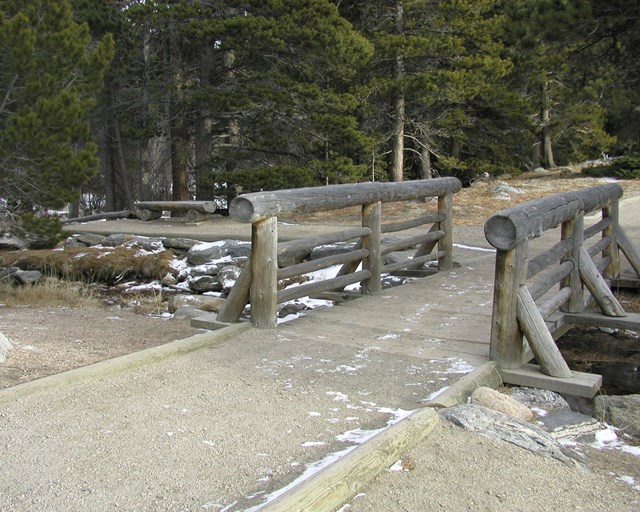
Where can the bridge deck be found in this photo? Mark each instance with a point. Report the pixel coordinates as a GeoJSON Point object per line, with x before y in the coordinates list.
{"type": "Point", "coordinates": [447, 315]}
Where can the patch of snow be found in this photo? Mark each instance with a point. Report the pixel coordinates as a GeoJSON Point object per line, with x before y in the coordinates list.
{"type": "Point", "coordinates": [313, 444]}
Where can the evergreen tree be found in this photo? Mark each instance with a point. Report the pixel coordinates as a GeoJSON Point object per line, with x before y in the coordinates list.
{"type": "Point", "coordinates": [433, 59]}
{"type": "Point", "coordinates": [49, 77]}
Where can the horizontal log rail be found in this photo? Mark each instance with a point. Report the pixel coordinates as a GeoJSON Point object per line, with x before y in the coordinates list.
{"type": "Point", "coordinates": [363, 260]}
{"type": "Point", "coordinates": [521, 279]}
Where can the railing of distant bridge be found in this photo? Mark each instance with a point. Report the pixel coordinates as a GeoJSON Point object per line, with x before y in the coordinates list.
{"type": "Point", "coordinates": [364, 264]}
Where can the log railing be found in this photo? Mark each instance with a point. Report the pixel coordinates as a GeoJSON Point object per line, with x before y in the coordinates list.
{"type": "Point", "coordinates": [258, 282]}
{"type": "Point", "coordinates": [526, 301]}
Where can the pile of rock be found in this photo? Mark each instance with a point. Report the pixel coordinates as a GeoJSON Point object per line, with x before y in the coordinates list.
{"type": "Point", "coordinates": [542, 421]}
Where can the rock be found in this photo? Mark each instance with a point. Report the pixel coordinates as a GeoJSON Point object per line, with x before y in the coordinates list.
{"type": "Point", "coordinates": [7, 272]}
{"type": "Point", "coordinates": [146, 243]}
{"type": "Point", "coordinates": [168, 280]}
{"type": "Point", "coordinates": [497, 401]}
{"type": "Point", "coordinates": [185, 312]}
{"type": "Point", "coordinates": [227, 276]}
{"type": "Point", "coordinates": [12, 243]}
{"type": "Point", "coordinates": [26, 277]}
{"type": "Point", "coordinates": [330, 250]}
{"type": "Point", "coordinates": [203, 253]}
{"type": "Point", "coordinates": [204, 284]}
{"type": "Point", "coordinates": [179, 245]}
{"type": "Point", "coordinates": [116, 239]}
{"type": "Point", "coordinates": [622, 412]}
{"type": "Point", "coordinates": [290, 255]}
{"type": "Point", "coordinates": [86, 239]}
{"type": "Point", "coordinates": [570, 425]}
{"type": "Point", "coordinates": [504, 189]}
{"type": "Point", "coordinates": [541, 399]}
{"type": "Point", "coordinates": [499, 426]}
{"type": "Point", "coordinates": [291, 308]}
{"type": "Point", "coordinates": [391, 281]}
{"type": "Point", "coordinates": [236, 249]}
{"type": "Point", "coordinates": [5, 346]}
{"type": "Point", "coordinates": [201, 302]}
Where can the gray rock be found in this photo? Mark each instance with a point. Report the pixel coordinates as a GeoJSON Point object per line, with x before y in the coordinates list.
{"type": "Point", "coordinates": [179, 245]}
{"type": "Point", "coordinates": [539, 399]}
{"type": "Point", "coordinates": [496, 401]}
{"type": "Point", "coordinates": [86, 239]}
{"type": "Point", "coordinates": [7, 272]}
{"type": "Point", "coordinates": [227, 276]}
{"type": "Point", "coordinates": [570, 425]}
{"type": "Point", "coordinates": [236, 249]}
{"type": "Point", "coordinates": [26, 277]}
{"type": "Point", "coordinates": [204, 284]}
{"type": "Point", "coordinates": [200, 302]}
{"type": "Point", "coordinates": [116, 239]}
{"type": "Point", "coordinates": [146, 243]}
{"type": "Point", "coordinates": [186, 312]}
{"type": "Point", "coordinates": [12, 243]}
{"type": "Point", "coordinates": [499, 426]}
{"type": "Point", "coordinates": [331, 249]}
{"type": "Point", "coordinates": [291, 308]}
{"type": "Point", "coordinates": [203, 253]}
{"type": "Point", "coordinates": [622, 412]}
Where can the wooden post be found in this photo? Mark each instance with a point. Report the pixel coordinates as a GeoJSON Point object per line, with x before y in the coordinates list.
{"type": "Point", "coordinates": [445, 244]}
{"type": "Point", "coordinates": [264, 273]}
{"type": "Point", "coordinates": [238, 297]}
{"type": "Point", "coordinates": [596, 284]}
{"type": "Point", "coordinates": [540, 340]}
{"type": "Point", "coordinates": [611, 211]}
{"type": "Point", "coordinates": [371, 218]}
{"type": "Point", "coordinates": [506, 337]}
{"type": "Point", "coordinates": [573, 229]}
{"type": "Point", "coordinates": [628, 249]}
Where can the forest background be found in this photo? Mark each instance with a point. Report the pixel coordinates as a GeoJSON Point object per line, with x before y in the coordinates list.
{"type": "Point", "coordinates": [105, 102]}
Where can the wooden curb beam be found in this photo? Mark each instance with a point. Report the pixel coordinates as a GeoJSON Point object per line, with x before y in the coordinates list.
{"type": "Point", "coordinates": [572, 265]}
{"type": "Point", "coordinates": [332, 486]}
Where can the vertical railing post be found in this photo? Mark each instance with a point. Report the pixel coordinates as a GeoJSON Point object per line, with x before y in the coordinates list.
{"type": "Point", "coordinates": [264, 273]}
{"type": "Point", "coordinates": [611, 211]}
{"type": "Point", "coordinates": [445, 207]}
{"type": "Point", "coordinates": [506, 337]}
{"type": "Point", "coordinates": [573, 229]}
{"type": "Point", "coordinates": [371, 218]}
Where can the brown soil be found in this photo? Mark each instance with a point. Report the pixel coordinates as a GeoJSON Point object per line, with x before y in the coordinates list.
{"type": "Point", "coordinates": [49, 340]}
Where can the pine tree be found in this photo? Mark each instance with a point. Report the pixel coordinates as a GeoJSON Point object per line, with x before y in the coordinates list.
{"type": "Point", "coordinates": [433, 59]}
{"type": "Point", "coordinates": [49, 77]}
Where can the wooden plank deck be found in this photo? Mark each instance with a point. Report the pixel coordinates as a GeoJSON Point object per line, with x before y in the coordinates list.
{"type": "Point", "coordinates": [444, 316]}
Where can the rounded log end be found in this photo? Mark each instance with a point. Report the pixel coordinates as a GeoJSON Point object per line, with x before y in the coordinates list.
{"type": "Point", "coordinates": [241, 209]}
{"type": "Point", "coordinates": [501, 233]}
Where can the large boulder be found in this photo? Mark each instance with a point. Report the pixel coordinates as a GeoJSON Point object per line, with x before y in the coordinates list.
{"type": "Point", "coordinates": [12, 243]}
{"type": "Point", "coordinates": [622, 412]}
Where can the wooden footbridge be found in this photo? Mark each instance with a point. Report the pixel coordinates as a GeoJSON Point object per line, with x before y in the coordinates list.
{"type": "Point", "coordinates": [509, 306]}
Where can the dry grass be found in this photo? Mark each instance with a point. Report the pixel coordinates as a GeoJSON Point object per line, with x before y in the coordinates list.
{"type": "Point", "coordinates": [93, 264]}
{"type": "Point", "coordinates": [51, 292]}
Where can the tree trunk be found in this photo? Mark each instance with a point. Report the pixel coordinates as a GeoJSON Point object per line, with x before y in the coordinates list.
{"type": "Point", "coordinates": [205, 186]}
{"type": "Point", "coordinates": [545, 118]}
{"type": "Point", "coordinates": [119, 163]}
{"type": "Point", "coordinates": [397, 166]}
{"type": "Point", "coordinates": [426, 171]}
